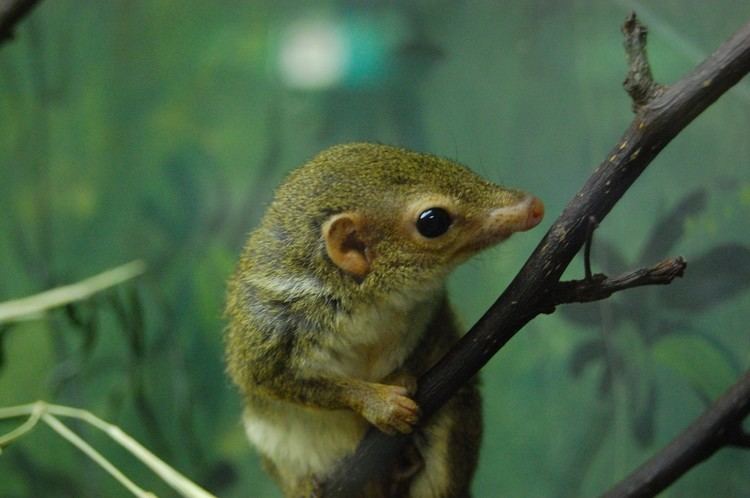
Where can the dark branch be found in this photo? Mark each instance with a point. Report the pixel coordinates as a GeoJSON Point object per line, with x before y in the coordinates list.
{"type": "Point", "coordinates": [11, 12]}
{"type": "Point", "coordinates": [639, 82]}
{"type": "Point", "coordinates": [740, 439]}
{"type": "Point", "coordinates": [656, 124]}
{"type": "Point", "coordinates": [717, 427]}
{"type": "Point", "coordinates": [587, 248]}
{"type": "Point", "coordinates": [601, 287]}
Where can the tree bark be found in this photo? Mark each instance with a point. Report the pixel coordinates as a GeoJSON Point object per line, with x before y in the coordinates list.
{"type": "Point", "coordinates": [11, 12]}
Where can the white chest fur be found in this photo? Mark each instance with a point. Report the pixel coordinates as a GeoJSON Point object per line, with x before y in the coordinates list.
{"type": "Point", "coordinates": [304, 441]}
{"type": "Point", "coordinates": [372, 341]}
{"type": "Point", "coordinates": [369, 343]}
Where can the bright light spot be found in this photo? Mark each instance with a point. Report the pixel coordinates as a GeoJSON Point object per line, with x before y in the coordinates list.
{"type": "Point", "coordinates": [313, 55]}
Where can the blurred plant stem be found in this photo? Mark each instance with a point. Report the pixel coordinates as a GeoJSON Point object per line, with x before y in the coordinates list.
{"type": "Point", "coordinates": [34, 306]}
{"type": "Point", "coordinates": [49, 414]}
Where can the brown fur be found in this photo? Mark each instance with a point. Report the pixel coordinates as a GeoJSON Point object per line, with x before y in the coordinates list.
{"type": "Point", "coordinates": [337, 305]}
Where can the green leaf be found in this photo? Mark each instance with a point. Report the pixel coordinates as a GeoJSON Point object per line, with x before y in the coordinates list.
{"type": "Point", "coordinates": [584, 354]}
{"type": "Point", "coordinates": [83, 319]}
{"type": "Point", "coordinates": [592, 314]}
{"type": "Point", "coordinates": [669, 230]}
{"type": "Point", "coordinates": [642, 419]}
{"type": "Point", "coordinates": [608, 256]}
{"type": "Point", "coordinates": [712, 279]}
{"type": "Point", "coordinates": [696, 360]}
{"type": "Point", "coordinates": [4, 329]}
{"type": "Point", "coordinates": [90, 329]}
{"type": "Point", "coordinates": [581, 314]}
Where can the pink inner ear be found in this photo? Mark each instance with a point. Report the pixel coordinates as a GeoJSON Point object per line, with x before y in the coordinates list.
{"type": "Point", "coordinates": [352, 243]}
{"type": "Point", "coordinates": [345, 248]}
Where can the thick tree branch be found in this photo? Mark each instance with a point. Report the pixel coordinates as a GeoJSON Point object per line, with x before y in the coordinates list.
{"type": "Point", "coordinates": [656, 123]}
{"type": "Point", "coordinates": [740, 439]}
{"type": "Point", "coordinates": [11, 12]}
{"type": "Point", "coordinates": [719, 426]}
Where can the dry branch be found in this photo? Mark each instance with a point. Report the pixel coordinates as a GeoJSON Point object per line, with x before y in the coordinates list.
{"type": "Point", "coordinates": [660, 116]}
{"type": "Point", "coordinates": [599, 286]}
{"type": "Point", "coordinates": [639, 82]}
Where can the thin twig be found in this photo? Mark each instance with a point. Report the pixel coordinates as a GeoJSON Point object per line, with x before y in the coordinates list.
{"type": "Point", "coordinates": [49, 412]}
{"type": "Point", "coordinates": [178, 482]}
{"type": "Point", "coordinates": [599, 286]}
{"type": "Point", "coordinates": [97, 457]}
{"type": "Point", "coordinates": [37, 409]}
{"type": "Point", "coordinates": [34, 306]}
{"type": "Point", "coordinates": [587, 248]}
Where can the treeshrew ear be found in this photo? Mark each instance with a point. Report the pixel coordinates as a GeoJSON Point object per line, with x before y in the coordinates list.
{"type": "Point", "coordinates": [344, 242]}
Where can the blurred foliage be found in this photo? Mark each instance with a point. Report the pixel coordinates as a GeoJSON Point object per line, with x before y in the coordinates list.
{"type": "Point", "coordinates": [655, 316]}
{"type": "Point", "coordinates": [157, 130]}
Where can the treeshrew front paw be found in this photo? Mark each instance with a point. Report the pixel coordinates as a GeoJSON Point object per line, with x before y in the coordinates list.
{"type": "Point", "coordinates": [390, 409]}
{"type": "Point", "coordinates": [404, 379]}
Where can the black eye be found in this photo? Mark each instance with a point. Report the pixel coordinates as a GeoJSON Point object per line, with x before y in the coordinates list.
{"type": "Point", "coordinates": [433, 222]}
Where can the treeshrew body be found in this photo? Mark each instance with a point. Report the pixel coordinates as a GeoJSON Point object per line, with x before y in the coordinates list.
{"type": "Point", "coordinates": [338, 305]}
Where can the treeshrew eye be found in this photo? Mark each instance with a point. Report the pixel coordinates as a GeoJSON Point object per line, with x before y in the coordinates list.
{"type": "Point", "coordinates": [433, 222]}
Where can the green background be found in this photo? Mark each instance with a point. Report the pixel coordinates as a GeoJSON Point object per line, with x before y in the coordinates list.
{"type": "Point", "coordinates": [157, 130]}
